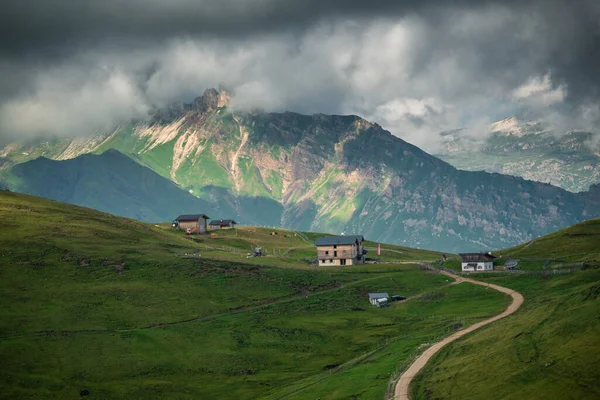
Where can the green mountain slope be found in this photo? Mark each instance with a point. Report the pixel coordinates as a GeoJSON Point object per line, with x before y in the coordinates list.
{"type": "Point", "coordinates": [107, 182]}
{"type": "Point", "coordinates": [570, 161]}
{"type": "Point", "coordinates": [549, 349]}
{"type": "Point", "coordinates": [580, 242]}
{"type": "Point", "coordinates": [331, 173]}
{"type": "Point", "coordinates": [93, 302]}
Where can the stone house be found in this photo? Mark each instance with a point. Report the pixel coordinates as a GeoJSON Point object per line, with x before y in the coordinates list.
{"type": "Point", "coordinates": [196, 223]}
{"type": "Point", "coordinates": [340, 250]}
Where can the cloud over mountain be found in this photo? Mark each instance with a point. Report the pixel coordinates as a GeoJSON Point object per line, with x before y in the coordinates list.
{"type": "Point", "coordinates": [417, 68]}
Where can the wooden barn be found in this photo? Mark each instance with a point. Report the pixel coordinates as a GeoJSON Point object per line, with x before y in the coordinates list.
{"type": "Point", "coordinates": [340, 250]}
{"type": "Point", "coordinates": [196, 223]}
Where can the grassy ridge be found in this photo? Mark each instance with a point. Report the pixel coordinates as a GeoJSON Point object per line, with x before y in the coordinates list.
{"type": "Point", "coordinates": [96, 302]}
{"type": "Point", "coordinates": [549, 349]}
{"type": "Point", "coordinates": [579, 242]}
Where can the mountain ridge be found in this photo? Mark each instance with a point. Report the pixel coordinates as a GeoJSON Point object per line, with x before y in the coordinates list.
{"type": "Point", "coordinates": [335, 174]}
{"type": "Point", "coordinates": [529, 149]}
{"type": "Point", "coordinates": [110, 182]}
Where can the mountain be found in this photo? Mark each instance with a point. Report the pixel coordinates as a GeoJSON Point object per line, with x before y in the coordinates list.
{"type": "Point", "coordinates": [330, 174]}
{"type": "Point", "coordinates": [529, 150]}
{"type": "Point", "coordinates": [107, 182]}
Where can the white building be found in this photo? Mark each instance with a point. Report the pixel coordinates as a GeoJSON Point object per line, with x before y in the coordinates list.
{"type": "Point", "coordinates": [473, 262]}
{"type": "Point", "coordinates": [376, 298]}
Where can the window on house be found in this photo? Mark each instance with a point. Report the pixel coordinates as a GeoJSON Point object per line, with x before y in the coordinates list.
{"type": "Point", "coordinates": [327, 253]}
{"type": "Point", "coordinates": [335, 246]}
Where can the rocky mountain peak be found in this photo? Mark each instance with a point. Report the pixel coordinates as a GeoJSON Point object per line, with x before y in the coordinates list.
{"type": "Point", "coordinates": [212, 99]}
{"type": "Point", "coordinates": [509, 125]}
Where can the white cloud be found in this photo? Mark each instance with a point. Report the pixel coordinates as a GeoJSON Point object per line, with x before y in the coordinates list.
{"type": "Point", "coordinates": [539, 90]}
{"type": "Point", "coordinates": [66, 104]}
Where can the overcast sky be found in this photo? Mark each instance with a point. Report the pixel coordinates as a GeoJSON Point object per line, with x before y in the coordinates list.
{"type": "Point", "coordinates": [72, 67]}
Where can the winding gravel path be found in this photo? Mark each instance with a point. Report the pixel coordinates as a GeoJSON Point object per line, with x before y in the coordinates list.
{"type": "Point", "coordinates": [401, 392]}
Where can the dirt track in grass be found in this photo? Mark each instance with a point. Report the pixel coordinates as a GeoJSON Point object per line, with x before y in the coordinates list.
{"type": "Point", "coordinates": [402, 387]}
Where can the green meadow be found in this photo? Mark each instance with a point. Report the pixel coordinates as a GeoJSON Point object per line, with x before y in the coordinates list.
{"type": "Point", "coordinates": [549, 349]}
{"type": "Point", "coordinates": [121, 309]}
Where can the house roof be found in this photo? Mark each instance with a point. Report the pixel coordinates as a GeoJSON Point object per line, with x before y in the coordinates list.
{"type": "Point", "coordinates": [478, 257]}
{"type": "Point", "coordinates": [335, 240]}
{"type": "Point", "coordinates": [378, 296]}
{"type": "Point", "coordinates": [222, 222]}
{"type": "Point", "coordinates": [191, 217]}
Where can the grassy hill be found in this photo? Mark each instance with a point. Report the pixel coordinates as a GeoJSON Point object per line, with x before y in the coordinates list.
{"type": "Point", "coordinates": [549, 349]}
{"type": "Point", "coordinates": [113, 306]}
{"type": "Point", "coordinates": [110, 182]}
{"type": "Point", "coordinates": [579, 242]}
{"type": "Point", "coordinates": [574, 246]}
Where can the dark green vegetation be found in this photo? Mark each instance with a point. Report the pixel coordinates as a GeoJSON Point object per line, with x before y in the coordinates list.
{"type": "Point", "coordinates": [549, 349]}
{"type": "Point", "coordinates": [100, 303]}
{"type": "Point", "coordinates": [110, 182]}
{"type": "Point", "coordinates": [323, 173]}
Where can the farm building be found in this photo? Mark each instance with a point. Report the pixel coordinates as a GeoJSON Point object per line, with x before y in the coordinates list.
{"type": "Point", "coordinates": [196, 223]}
{"type": "Point", "coordinates": [222, 224]}
{"type": "Point", "coordinates": [378, 298]}
{"type": "Point", "coordinates": [340, 250]}
{"type": "Point", "coordinates": [477, 262]}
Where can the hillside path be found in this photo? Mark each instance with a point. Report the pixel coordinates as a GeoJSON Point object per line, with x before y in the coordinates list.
{"type": "Point", "coordinates": [401, 392]}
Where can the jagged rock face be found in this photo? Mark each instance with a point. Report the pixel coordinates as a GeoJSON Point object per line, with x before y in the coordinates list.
{"type": "Point", "coordinates": [334, 174]}
{"type": "Point", "coordinates": [529, 150]}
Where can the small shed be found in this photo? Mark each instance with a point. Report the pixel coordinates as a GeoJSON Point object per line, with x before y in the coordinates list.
{"type": "Point", "coordinates": [222, 224]}
{"type": "Point", "coordinates": [375, 297]}
{"type": "Point", "coordinates": [511, 265]}
{"type": "Point", "coordinates": [196, 223]}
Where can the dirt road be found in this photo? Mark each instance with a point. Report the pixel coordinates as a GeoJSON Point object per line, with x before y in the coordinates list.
{"type": "Point", "coordinates": [401, 392]}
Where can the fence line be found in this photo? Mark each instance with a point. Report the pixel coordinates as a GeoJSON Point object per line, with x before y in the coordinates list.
{"type": "Point", "coordinates": [304, 237]}
{"type": "Point", "coordinates": [519, 272]}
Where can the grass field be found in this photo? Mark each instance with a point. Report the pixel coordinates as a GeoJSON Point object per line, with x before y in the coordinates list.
{"type": "Point", "coordinates": [109, 305]}
{"type": "Point", "coordinates": [549, 349]}
{"type": "Point", "coordinates": [291, 248]}
{"type": "Point", "coordinates": [578, 243]}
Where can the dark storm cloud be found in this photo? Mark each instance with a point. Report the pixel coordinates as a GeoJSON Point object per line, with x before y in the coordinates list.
{"type": "Point", "coordinates": [416, 67]}
{"type": "Point", "coordinates": [56, 24]}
